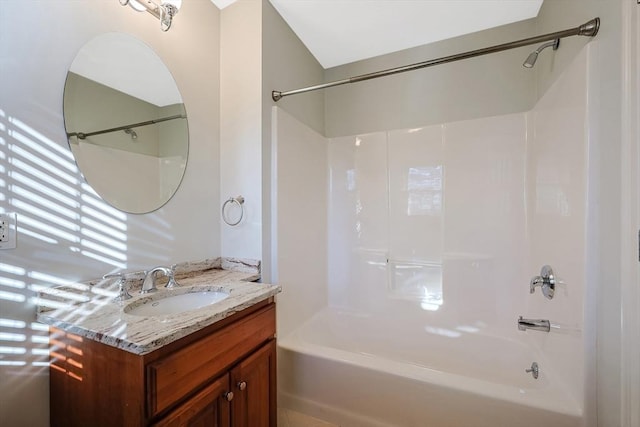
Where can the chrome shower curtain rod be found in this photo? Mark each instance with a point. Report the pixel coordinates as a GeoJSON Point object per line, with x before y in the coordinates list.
{"type": "Point", "coordinates": [83, 135]}
{"type": "Point", "coordinates": [589, 29]}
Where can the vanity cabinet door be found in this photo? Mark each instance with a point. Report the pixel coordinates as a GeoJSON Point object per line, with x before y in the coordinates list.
{"type": "Point", "coordinates": [173, 377]}
{"type": "Point", "coordinates": [209, 408]}
{"type": "Point", "coordinates": [253, 382]}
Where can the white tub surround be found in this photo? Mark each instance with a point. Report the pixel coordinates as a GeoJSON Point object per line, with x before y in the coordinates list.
{"type": "Point", "coordinates": [88, 309]}
{"type": "Point", "coordinates": [434, 234]}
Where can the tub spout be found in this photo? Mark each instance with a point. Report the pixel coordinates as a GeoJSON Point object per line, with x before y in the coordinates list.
{"type": "Point", "coordinates": [535, 324]}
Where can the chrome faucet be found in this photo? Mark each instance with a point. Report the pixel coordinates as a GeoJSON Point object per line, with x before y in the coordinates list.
{"type": "Point", "coordinates": [535, 324]}
{"type": "Point", "coordinates": [149, 282]}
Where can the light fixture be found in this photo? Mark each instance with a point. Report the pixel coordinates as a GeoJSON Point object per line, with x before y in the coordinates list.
{"type": "Point", "coordinates": [164, 11]}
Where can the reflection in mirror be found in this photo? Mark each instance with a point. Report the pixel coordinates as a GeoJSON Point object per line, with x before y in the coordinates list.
{"type": "Point", "coordinates": [126, 123]}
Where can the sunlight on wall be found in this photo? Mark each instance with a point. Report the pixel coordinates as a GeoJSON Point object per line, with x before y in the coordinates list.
{"type": "Point", "coordinates": [57, 212]}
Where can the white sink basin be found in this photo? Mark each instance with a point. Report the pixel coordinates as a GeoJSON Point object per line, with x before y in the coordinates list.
{"type": "Point", "coordinates": [177, 303]}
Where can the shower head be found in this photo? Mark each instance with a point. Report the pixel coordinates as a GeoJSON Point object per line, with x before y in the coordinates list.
{"type": "Point", "coordinates": [531, 60]}
{"type": "Point", "coordinates": [533, 56]}
{"type": "Point", "coordinates": [131, 132]}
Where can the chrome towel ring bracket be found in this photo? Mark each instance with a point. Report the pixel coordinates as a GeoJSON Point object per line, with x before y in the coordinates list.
{"type": "Point", "coordinates": [230, 202]}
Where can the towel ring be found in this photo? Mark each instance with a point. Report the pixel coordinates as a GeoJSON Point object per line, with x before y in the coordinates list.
{"type": "Point", "coordinates": [238, 201]}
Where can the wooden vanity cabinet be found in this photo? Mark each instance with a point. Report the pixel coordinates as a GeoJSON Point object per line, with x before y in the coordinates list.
{"type": "Point", "coordinates": [209, 407]}
{"type": "Point", "coordinates": [222, 376]}
{"type": "Point", "coordinates": [254, 387]}
{"type": "Point", "coordinates": [241, 398]}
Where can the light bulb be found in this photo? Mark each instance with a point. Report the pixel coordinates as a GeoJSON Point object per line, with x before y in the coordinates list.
{"type": "Point", "coordinates": [137, 6]}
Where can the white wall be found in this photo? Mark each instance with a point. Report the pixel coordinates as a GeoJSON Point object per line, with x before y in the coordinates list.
{"type": "Point", "coordinates": [630, 221]}
{"type": "Point", "coordinates": [478, 87]}
{"type": "Point", "coordinates": [288, 64]}
{"type": "Point", "coordinates": [241, 124]}
{"type": "Point", "coordinates": [300, 188]}
{"type": "Point", "coordinates": [259, 53]}
{"type": "Point", "coordinates": [38, 179]}
{"type": "Point", "coordinates": [285, 61]}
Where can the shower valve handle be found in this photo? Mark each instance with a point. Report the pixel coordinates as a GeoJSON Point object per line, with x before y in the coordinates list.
{"type": "Point", "coordinates": [546, 280]}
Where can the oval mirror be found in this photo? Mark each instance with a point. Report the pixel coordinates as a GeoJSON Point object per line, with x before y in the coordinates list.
{"type": "Point", "coordinates": [126, 123]}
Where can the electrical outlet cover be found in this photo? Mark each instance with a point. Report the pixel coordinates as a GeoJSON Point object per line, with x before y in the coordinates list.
{"type": "Point", "coordinates": [8, 231]}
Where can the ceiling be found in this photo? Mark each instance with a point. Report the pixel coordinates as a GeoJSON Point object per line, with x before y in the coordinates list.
{"type": "Point", "coordinates": [342, 31]}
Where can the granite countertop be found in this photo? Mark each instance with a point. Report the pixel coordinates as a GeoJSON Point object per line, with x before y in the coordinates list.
{"type": "Point", "coordinates": [88, 309]}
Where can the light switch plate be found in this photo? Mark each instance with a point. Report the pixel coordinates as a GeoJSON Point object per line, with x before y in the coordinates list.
{"type": "Point", "coordinates": [8, 230]}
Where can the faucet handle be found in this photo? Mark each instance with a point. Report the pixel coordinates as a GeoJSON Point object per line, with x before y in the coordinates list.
{"type": "Point", "coordinates": [546, 280]}
{"type": "Point", "coordinates": [172, 280]}
{"type": "Point", "coordinates": [123, 292]}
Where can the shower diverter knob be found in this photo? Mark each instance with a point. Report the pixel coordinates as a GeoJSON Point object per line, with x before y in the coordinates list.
{"type": "Point", "coordinates": [534, 370]}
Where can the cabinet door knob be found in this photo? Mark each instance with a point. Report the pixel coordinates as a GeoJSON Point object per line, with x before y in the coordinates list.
{"type": "Point", "coordinates": [242, 385]}
{"type": "Point", "coordinates": [228, 396]}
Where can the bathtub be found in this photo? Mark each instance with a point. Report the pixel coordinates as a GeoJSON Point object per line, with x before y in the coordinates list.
{"type": "Point", "coordinates": [336, 367]}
